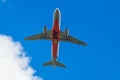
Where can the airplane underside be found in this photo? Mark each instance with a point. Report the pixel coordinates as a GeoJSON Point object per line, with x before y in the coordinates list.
{"type": "Point", "coordinates": [55, 35]}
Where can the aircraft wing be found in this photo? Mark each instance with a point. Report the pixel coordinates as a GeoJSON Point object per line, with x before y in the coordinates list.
{"type": "Point", "coordinates": [71, 39]}
{"type": "Point", "coordinates": [40, 36]}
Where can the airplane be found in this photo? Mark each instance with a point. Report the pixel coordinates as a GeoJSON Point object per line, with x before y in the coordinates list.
{"type": "Point", "coordinates": [55, 35]}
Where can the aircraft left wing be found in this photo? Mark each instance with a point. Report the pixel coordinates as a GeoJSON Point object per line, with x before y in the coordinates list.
{"type": "Point", "coordinates": [40, 36]}
{"type": "Point", "coordinates": [71, 39]}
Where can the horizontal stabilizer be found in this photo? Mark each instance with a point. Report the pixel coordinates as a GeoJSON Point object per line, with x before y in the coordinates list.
{"type": "Point", "coordinates": [50, 63]}
{"type": "Point", "coordinates": [60, 64]}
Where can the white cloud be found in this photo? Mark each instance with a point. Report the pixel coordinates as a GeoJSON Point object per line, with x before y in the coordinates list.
{"type": "Point", "coordinates": [14, 64]}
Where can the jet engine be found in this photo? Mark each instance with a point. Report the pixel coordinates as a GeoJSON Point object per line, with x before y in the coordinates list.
{"type": "Point", "coordinates": [44, 31]}
{"type": "Point", "coordinates": [66, 33]}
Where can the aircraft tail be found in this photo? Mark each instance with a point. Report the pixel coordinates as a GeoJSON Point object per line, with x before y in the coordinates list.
{"type": "Point", "coordinates": [50, 63]}
{"type": "Point", "coordinates": [60, 64]}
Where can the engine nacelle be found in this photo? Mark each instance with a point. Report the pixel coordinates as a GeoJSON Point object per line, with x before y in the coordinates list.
{"type": "Point", "coordinates": [44, 31]}
{"type": "Point", "coordinates": [66, 33]}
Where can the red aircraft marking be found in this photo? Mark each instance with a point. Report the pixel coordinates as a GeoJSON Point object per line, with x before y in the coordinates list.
{"type": "Point", "coordinates": [55, 38]}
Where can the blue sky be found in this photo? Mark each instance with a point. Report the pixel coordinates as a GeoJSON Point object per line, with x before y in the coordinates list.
{"type": "Point", "coordinates": [97, 22]}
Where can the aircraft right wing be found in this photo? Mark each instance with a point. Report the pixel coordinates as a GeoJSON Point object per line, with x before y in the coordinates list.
{"type": "Point", "coordinates": [40, 36]}
{"type": "Point", "coordinates": [71, 39]}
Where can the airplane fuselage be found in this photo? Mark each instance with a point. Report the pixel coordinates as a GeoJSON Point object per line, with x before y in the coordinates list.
{"type": "Point", "coordinates": [55, 35]}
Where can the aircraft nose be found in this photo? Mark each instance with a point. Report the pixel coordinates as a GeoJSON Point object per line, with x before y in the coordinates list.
{"type": "Point", "coordinates": [57, 14]}
{"type": "Point", "coordinates": [57, 11]}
